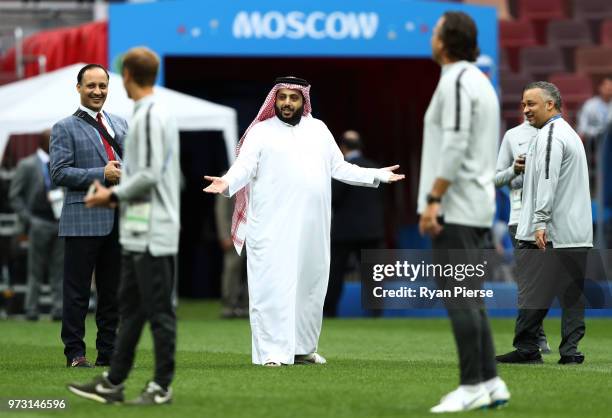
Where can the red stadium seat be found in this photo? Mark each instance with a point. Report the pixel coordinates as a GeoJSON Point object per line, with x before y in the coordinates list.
{"type": "Point", "coordinates": [514, 36]}
{"type": "Point", "coordinates": [541, 12]}
{"type": "Point", "coordinates": [541, 61]}
{"type": "Point", "coordinates": [568, 33]}
{"type": "Point", "coordinates": [592, 9]}
{"type": "Point", "coordinates": [541, 9]}
{"type": "Point", "coordinates": [606, 33]}
{"type": "Point", "coordinates": [575, 89]}
{"type": "Point", "coordinates": [512, 86]}
{"type": "Point", "coordinates": [504, 64]}
{"type": "Point", "coordinates": [594, 60]}
{"type": "Point", "coordinates": [593, 12]}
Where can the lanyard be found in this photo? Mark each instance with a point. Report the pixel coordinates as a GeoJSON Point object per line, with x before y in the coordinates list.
{"type": "Point", "coordinates": [46, 174]}
{"type": "Point", "coordinates": [552, 119]}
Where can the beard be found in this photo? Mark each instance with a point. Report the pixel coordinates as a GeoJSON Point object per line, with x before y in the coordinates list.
{"type": "Point", "coordinates": [293, 119]}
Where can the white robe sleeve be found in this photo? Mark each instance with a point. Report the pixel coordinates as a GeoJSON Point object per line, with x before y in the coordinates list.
{"type": "Point", "coordinates": [353, 174]}
{"type": "Point", "coordinates": [244, 168]}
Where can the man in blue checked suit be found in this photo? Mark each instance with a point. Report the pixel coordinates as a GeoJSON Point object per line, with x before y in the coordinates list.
{"type": "Point", "coordinates": [88, 146]}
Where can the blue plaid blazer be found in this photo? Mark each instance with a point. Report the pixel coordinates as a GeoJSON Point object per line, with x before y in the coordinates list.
{"type": "Point", "coordinates": [77, 159]}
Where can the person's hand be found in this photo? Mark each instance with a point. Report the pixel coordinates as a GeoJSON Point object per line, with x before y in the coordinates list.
{"type": "Point", "coordinates": [112, 172]}
{"type": "Point", "coordinates": [428, 224]}
{"type": "Point", "coordinates": [217, 185]}
{"type": "Point", "coordinates": [226, 244]}
{"type": "Point", "coordinates": [100, 198]}
{"type": "Point", "coordinates": [394, 177]}
{"type": "Point", "coordinates": [541, 240]}
{"type": "Point", "coordinates": [519, 164]}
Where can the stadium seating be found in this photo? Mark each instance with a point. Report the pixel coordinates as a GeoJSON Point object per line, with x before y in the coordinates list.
{"type": "Point", "coordinates": [594, 60]}
{"type": "Point", "coordinates": [592, 9]}
{"type": "Point", "coordinates": [575, 88]}
{"type": "Point", "coordinates": [542, 10]}
{"type": "Point", "coordinates": [606, 33]}
{"type": "Point", "coordinates": [567, 35]}
{"type": "Point", "coordinates": [513, 36]}
{"type": "Point", "coordinates": [593, 12]}
{"type": "Point", "coordinates": [516, 34]}
{"type": "Point", "coordinates": [540, 13]}
{"type": "Point", "coordinates": [540, 61]}
{"type": "Point", "coordinates": [512, 93]}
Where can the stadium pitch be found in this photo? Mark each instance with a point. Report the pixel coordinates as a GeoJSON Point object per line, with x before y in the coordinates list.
{"type": "Point", "coordinates": [376, 368]}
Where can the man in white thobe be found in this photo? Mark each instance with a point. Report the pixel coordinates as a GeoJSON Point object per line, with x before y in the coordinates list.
{"type": "Point", "coordinates": [282, 174]}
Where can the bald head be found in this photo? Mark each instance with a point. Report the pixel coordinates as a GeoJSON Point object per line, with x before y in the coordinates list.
{"type": "Point", "coordinates": [351, 141]}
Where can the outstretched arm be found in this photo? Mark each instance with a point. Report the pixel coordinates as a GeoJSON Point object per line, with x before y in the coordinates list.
{"type": "Point", "coordinates": [218, 185]}
{"type": "Point", "coordinates": [359, 176]}
{"type": "Point", "coordinates": [240, 173]}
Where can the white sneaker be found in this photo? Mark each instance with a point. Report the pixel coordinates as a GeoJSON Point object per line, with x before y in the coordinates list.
{"type": "Point", "coordinates": [312, 358]}
{"type": "Point", "coordinates": [498, 391]}
{"type": "Point", "coordinates": [463, 399]}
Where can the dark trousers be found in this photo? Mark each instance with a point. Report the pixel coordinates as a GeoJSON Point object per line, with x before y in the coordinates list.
{"type": "Point", "coordinates": [81, 256]}
{"type": "Point", "coordinates": [520, 283]}
{"type": "Point", "coordinates": [470, 324]}
{"type": "Point", "coordinates": [145, 294]}
{"type": "Point", "coordinates": [557, 273]}
{"type": "Point", "coordinates": [45, 258]}
{"type": "Point", "coordinates": [341, 251]}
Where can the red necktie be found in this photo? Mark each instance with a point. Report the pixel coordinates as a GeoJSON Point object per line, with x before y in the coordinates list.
{"type": "Point", "coordinates": [109, 150]}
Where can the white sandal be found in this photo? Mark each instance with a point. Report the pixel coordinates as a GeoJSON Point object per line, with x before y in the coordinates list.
{"type": "Point", "coordinates": [272, 364]}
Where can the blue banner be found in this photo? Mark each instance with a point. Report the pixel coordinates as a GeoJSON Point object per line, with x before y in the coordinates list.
{"type": "Point", "coordinates": [347, 28]}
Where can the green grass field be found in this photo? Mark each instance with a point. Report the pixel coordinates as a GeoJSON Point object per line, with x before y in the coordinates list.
{"type": "Point", "coordinates": [376, 368]}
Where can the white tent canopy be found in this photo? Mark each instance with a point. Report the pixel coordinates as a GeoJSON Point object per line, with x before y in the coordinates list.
{"type": "Point", "coordinates": [35, 104]}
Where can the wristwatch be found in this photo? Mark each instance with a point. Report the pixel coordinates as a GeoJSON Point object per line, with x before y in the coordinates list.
{"type": "Point", "coordinates": [433, 199]}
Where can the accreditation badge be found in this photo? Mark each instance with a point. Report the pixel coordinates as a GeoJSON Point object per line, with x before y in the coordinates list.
{"type": "Point", "coordinates": [137, 217]}
{"type": "Point", "coordinates": [56, 199]}
{"type": "Point", "coordinates": [516, 199]}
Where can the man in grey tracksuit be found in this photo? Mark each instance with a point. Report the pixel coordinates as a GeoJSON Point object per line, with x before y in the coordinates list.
{"type": "Point", "coordinates": [456, 198]}
{"type": "Point", "coordinates": [510, 171]}
{"type": "Point", "coordinates": [149, 197]}
{"type": "Point", "coordinates": [555, 214]}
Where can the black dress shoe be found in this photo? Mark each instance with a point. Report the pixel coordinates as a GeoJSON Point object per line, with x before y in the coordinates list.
{"type": "Point", "coordinates": [517, 357]}
{"type": "Point", "coordinates": [80, 361]}
{"type": "Point", "coordinates": [577, 358]}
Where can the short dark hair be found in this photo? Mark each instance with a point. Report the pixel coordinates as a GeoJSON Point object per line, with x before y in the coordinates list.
{"type": "Point", "coordinates": [89, 67]}
{"type": "Point", "coordinates": [142, 64]}
{"type": "Point", "coordinates": [459, 35]}
{"type": "Point", "coordinates": [550, 91]}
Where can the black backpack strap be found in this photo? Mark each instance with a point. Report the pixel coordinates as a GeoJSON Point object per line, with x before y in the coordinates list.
{"type": "Point", "coordinates": [86, 117]}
